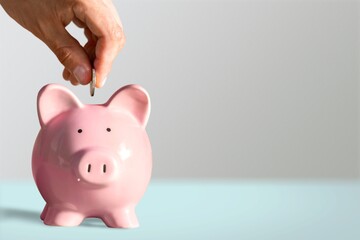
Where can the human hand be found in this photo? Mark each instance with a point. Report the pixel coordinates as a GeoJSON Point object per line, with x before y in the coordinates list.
{"type": "Point", "coordinates": [47, 20]}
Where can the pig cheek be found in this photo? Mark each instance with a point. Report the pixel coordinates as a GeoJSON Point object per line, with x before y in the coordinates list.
{"type": "Point", "coordinates": [124, 152]}
{"type": "Point", "coordinates": [61, 149]}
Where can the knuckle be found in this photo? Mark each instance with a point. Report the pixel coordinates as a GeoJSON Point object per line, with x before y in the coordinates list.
{"type": "Point", "coordinates": [123, 41]}
{"type": "Point", "coordinates": [79, 6]}
{"type": "Point", "coordinates": [117, 35]}
{"type": "Point", "coordinates": [63, 53]}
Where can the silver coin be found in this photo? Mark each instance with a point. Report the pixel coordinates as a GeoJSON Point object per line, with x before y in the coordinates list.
{"type": "Point", "coordinates": [93, 83]}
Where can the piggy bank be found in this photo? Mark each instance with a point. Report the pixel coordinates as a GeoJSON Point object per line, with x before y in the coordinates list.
{"type": "Point", "coordinates": [92, 160]}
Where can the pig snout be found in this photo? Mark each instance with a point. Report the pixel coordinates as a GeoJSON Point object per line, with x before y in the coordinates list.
{"type": "Point", "coordinates": [97, 167]}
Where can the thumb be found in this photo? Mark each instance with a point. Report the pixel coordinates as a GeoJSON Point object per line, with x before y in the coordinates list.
{"type": "Point", "coordinates": [70, 53]}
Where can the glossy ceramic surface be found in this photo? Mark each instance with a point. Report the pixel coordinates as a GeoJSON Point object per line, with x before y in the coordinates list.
{"type": "Point", "coordinates": [92, 160]}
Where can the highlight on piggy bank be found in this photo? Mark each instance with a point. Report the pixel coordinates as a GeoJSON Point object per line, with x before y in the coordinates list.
{"type": "Point", "coordinates": [92, 160]}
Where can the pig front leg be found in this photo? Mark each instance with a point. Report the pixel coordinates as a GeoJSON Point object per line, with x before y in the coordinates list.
{"type": "Point", "coordinates": [56, 216]}
{"type": "Point", "coordinates": [121, 218]}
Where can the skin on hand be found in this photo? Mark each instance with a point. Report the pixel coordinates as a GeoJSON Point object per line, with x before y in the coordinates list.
{"type": "Point", "coordinates": [47, 20]}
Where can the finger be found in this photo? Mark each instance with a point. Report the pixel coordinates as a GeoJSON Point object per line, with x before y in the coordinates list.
{"type": "Point", "coordinates": [69, 52]}
{"type": "Point", "coordinates": [90, 50]}
{"type": "Point", "coordinates": [106, 50]}
{"type": "Point", "coordinates": [66, 74]}
{"type": "Point", "coordinates": [89, 47]}
{"type": "Point", "coordinates": [89, 35]}
{"type": "Point", "coordinates": [110, 37]}
{"type": "Point", "coordinates": [68, 77]}
{"type": "Point", "coordinates": [79, 23]}
{"type": "Point", "coordinates": [74, 81]}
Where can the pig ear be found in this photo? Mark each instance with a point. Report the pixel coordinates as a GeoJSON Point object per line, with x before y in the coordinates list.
{"type": "Point", "coordinates": [53, 100]}
{"type": "Point", "coordinates": [133, 99]}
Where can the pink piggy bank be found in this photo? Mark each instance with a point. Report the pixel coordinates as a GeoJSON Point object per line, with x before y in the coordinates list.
{"type": "Point", "coordinates": [92, 160]}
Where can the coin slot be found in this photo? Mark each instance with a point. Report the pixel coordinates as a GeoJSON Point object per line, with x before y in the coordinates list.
{"type": "Point", "coordinates": [89, 167]}
{"type": "Point", "coordinates": [104, 168]}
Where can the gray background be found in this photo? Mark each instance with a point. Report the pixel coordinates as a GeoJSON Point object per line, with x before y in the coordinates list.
{"type": "Point", "coordinates": [240, 89]}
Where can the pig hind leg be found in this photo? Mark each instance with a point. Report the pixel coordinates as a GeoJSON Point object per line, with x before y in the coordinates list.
{"type": "Point", "coordinates": [121, 218]}
{"type": "Point", "coordinates": [43, 213]}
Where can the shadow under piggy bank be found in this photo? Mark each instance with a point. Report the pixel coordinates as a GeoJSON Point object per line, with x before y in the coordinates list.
{"type": "Point", "coordinates": [33, 217]}
{"type": "Point", "coordinates": [9, 214]}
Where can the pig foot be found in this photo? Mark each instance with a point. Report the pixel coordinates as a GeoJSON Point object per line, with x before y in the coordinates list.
{"type": "Point", "coordinates": [121, 218]}
{"type": "Point", "coordinates": [43, 213]}
{"type": "Point", "coordinates": [62, 217]}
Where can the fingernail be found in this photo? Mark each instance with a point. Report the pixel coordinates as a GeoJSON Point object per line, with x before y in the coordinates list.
{"type": "Point", "coordinates": [103, 81]}
{"type": "Point", "coordinates": [79, 73]}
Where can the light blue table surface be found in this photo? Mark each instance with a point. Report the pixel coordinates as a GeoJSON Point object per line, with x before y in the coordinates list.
{"type": "Point", "coordinates": [202, 209]}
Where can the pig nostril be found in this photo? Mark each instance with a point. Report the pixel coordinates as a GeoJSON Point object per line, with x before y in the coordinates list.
{"type": "Point", "coordinates": [104, 168]}
{"type": "Point", "coordinates": [89, 167]}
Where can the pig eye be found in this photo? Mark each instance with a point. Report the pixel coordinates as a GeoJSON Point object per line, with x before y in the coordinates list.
{"type": "Point", "coordinates": [108, 129]}
{"type": "Point", "coordinates": [80, 130]}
